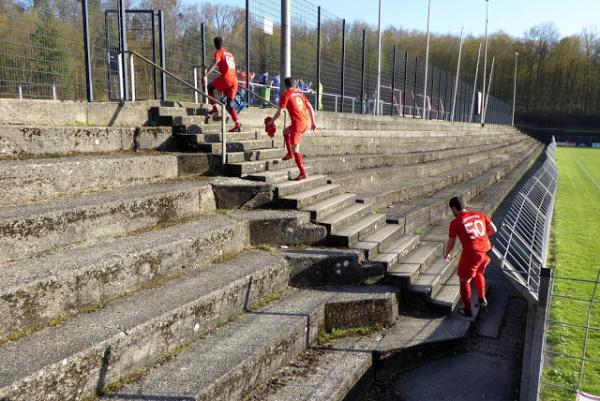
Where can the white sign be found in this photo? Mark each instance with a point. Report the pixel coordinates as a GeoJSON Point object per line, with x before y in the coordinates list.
{"type": "Point", "coordinates": [268, 26]}
{"type": "Point", "coordinates": [595, 145]}
{"type": "Point", "coordinates": [581, 396]}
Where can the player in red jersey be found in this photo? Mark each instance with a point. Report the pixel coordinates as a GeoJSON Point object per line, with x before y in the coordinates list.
{"type": "Point", "coordinates": [473, 229]}
{"type": "Point", "coordinates": [297, 105]}
{"type": "Point", "coordinates": [226, 83]}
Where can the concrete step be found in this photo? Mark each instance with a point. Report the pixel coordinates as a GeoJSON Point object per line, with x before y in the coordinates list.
{"type": "Point", "coordinates": [196, 135]}
{"type": "Point", "coordinates": [76, 359]}
{"type": "Point", "coordinates": [303, 199]}
{"type": "Point", "coordinates": [36, 291]}
{"type": "Point", "coordinates": [349, 235]}
{"type": "Point", "coordinates": [279, 175]}
{"type": "Point", "coordinates": [238, 146]}
{"type": "Point", "coordinates": [430, 280]}
{"type": "Point", "coordinates": [197, 110]}
{"type": "Point", "coordinates": [346, 216]}
{"type": "Point", "coordinates": [327, 373]}
{"type": "Point", "coordinates": [255, 170]}
{"type": "Point", "coordinates": [448, 297]}
{"type": "Point", "coordinates": [293, 187]}
{"type": "Point", "coordinates": [379, 240]}
{"type": "Point", "coordinates": [407, 272]}
{"type": "Point", "coordinates": [23, 181]}
{"type": "Point", "coordinates": [323, 209]}
{"type": "Point", "coordinates": [255, 155]}
{"type": "Point", "coordinates": [237, 358]}
{"type": "Point", "coordinates": [397, 251]}
{"type": "Point", "coordinates": [36, 228]}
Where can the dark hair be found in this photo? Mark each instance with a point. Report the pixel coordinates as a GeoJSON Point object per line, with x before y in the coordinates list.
{"type": "Point", "coordinates": [457, 203]}
{"type": "Point", "coordinates": [218, 42]}
{"type": "Point", "coordinates": [289, 82]}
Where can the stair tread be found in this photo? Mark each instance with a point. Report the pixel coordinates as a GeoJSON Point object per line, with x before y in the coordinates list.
{"type": "Point", "coordinates": [311, 192]}
{"type": "Point", "coordinates": [449, 293]}
{"type": "Point", "coordinates": [239, 345]}
{"type": "Point", "coordinates": [343, 214]}
{"type": "Point", "coordinates": [29, 354]}
{"type": "Point", "coordinates": [288, 186]}
{"type": "Point", "coordinates": [316, 207]}
{"type": "Point", "coordinates": [432, 275]}
{"type": "Point", "coordinates": [359, 225]}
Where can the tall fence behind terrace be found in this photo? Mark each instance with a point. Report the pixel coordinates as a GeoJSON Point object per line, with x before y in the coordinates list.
{"type": "Point", "coordinates": [42, 55]}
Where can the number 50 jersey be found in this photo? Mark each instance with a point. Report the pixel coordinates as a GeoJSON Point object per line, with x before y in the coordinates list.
{"type": "Point", "coordinates": [471, 229]}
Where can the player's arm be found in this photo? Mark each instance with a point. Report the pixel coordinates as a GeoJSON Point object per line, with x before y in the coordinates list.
{"type": "Point", "coordinates": [489, 226]}
{"type": "Point", "coordinates": [451, 242]}
{"type": "Point", "coordinates": [277, 115]}
{"type": "Point", "coordinates": [449, 248]}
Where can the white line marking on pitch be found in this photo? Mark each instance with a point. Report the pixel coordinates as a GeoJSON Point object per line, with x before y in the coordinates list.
{"type": "Point", "coordinates": [588, 175]}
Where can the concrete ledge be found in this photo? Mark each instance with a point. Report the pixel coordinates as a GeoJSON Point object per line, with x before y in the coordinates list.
{"type": "Point", "coordinates": [36, 228]}
{"type": "Point", "coordinates": [24, 181]}
{"type": "Point", "coordinates": [101, 347]}
{"type": "Point", "coordinates": [236, 193]}
{"type": "Point", "coordinates": [37, 291]}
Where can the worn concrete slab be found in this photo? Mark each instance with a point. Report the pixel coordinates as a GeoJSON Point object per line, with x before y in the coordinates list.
{"type": "Point", "coordinates": [36, 291]}
{"type": "Point", "coordinates": [70, 361]}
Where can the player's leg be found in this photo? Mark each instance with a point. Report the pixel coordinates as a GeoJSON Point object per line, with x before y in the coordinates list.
{"type": "Point", "coordinates": [295, 138]}
{"type": "Point", "coordinates": [215, 84]}
{"type": "Point", "coordinates": [479, 279]}
{"type": "Point", "coordinates": [230, 92]}
{"type": "Point", "coordinates": [288, 144]}
{"type": "Point", "coordinates": [466, 272]}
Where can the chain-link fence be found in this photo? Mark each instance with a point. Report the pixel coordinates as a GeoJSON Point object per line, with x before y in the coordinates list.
{"type": "Point", "coordinates": [42, 44]}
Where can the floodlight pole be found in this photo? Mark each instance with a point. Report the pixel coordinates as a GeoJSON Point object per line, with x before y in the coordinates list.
{"type": "Point", "coordinates": [457, 74]}
{"type": "Point", "coordinates": [475, 85]}
{"type": "Point", "coordinates": [515, 89]}
{"type": "Point", "coordinates": [285, 69]}
{"type": "Point", "coordinates": [426, 60]}
{"type": "Point", "coordinates": [483, 105]}
{"type": "Point", "coordinates": [378, 91]}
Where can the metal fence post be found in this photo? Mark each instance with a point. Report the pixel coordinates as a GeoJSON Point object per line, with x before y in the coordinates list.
{"type": "Point", "coordinates": [247, 51]}
{"type": "Point", "coordinates": [20, 92]}
{"type": "Point", "coordinates": [154, 72]}
{"type": "Point", "coordinates": [362, 73]}
{"type": "Point", "coordinates": [203, 48]}
{"type": "Point", "coordinates": [405, 82]}
{"type": "Point", "coordinates": [54, 95]}
{"type": "Point", "coordinates": [414, 112]}
{"type": "Point", "coordinates": [343, 88]}
{"type": "Point", "coordinates": [393, 81]}
{"type": "Point", "coordinates": [431, 97]}
{"type": "Point", "coordinates": [163, 54]}
{"type": "Point", "coordinates": [317, 99]}
{"type": "Point", "coordinates": [123, 47]}
{"type": "Point", "coordinates": [86, 51]}
{"type": "Point", "coordinates": [439, 98]}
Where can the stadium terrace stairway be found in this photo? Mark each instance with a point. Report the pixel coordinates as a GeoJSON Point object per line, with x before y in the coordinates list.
{"type": "Point", "coordinates": [123, 281]}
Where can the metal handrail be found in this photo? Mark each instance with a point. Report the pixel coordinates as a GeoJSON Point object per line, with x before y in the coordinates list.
{"type": "Point", "coordinates": [196, 90]}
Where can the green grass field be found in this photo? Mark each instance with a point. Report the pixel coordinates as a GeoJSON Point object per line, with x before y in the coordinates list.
{"type": "Point", "coordinates": [575, 253]}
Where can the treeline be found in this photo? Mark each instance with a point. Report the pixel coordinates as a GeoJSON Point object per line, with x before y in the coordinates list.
{"type": "Point", "coordinates": [41, 43]}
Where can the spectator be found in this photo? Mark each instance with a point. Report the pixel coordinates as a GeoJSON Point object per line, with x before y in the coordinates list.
{"type": "Point", "coordinates": [276, 83]}
{"type": "Point", "coordinates": [265, 91]}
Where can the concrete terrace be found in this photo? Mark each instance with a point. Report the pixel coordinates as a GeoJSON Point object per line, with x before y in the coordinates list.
{"type": "Point", "coordinates": [136, 267]}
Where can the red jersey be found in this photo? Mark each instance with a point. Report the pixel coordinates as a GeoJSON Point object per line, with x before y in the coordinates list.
{"type": "Point", "coordinates": [471, 229]}
{"type": "Point", "coordinates": [226, 63]}
{"type": "Point", "coordinates": [296, 104]}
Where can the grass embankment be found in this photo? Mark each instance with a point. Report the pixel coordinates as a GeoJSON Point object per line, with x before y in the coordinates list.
{"type": "Point", "coordinates": [575, 254]}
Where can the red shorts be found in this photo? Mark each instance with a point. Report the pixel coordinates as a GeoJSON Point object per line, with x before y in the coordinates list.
{"type": "Point", "coordinates": [295, 134]}
{"type": "Point", "coordinates": [471, 263]}
{"type": "Point", "coordinates": [225, 87]}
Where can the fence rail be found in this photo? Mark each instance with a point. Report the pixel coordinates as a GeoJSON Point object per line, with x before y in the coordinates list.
{"type": "Point", "coordinates": [522, 241]}
{"type": "Point", "coordinates": [43, 46]}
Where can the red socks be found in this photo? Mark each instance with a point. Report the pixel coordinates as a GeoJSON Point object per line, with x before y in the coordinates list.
{"type": "Point", "coordinates": [465, 295]}
{"type": "Point", "coordinates": [288, 145]}
{"type": "Point", "coordinates": [479, 281]}
{"type": "Point", "coordinates": [299, 163]}
{"type": "Point", "coordinates": [234, 115]}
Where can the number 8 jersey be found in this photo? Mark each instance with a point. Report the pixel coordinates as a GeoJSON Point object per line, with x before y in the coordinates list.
{"type": "Point", "coordinates": [471, 229]}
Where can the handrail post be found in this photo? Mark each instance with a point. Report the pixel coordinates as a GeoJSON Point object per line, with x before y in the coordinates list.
{"type": "Point", "coordinates": [196, 84]}
{"type": "Point", "coordinates": [120, 64]}
{"type": "Point", "coordinates": [132, 71]}
{"type": "Point", "coordinates": [223, 139]}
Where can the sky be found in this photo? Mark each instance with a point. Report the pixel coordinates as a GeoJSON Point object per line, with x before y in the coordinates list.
{"type": "Point", "coordinates": [448, 16]}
